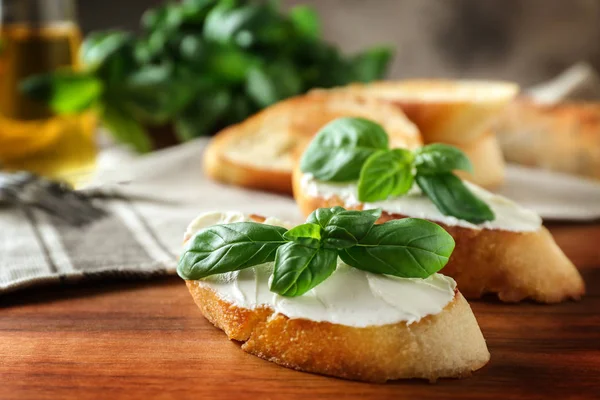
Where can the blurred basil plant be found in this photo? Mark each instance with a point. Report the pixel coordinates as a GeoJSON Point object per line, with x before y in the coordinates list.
{"type": "Point", "coordinates": [201, 65]}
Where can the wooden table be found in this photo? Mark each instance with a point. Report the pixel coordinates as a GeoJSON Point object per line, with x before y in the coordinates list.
{"type": "Point", "coordinates": [148, 340]}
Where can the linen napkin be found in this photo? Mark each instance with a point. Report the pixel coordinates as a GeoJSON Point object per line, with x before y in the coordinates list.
{"type": "Point", "coordinates": [159, 195]}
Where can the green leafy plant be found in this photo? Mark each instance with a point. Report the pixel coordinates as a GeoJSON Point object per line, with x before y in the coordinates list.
{"type": "Point", "coordinates": [200, 65]}
{"type": "Point", "coordinates": [355, 149]}
{"type": "Point", "coordinates": [307, 254]}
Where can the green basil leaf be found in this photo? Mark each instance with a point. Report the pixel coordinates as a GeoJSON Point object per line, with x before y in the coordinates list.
{"type": "Point", "coordinates": [99, 46]}
{"type": "Point", "coordinates": [371, 64]}
{"type": "Point", "coordinates": [229, 247]}
{"type": "Point", "coordinates": [305, 21]}
{"type": "Point", "coordinates": [229, 65]}
{"type": "Point", "coordinates": [299, 268]}
{"type": "Point", "coordinates": [225, 22]}
{"type": "Point", "coordinates": [409, 248]}
{"type": "Point", "coordinates": [307, 230]}
{"type": "Point", "coordinates": [195, 11]}
{"type": "Point", "coordinates": [125, 128]}
{"type": "Point", "coordinates": [321, 216]}
{"type": "Point", "coordinates": [386, 173]}
{"type": "Point", "coordinates": [336, 237]}
{"type": "Point", "coordinates": [154, 94]}
{"type": "Point", "coordinates": [452, 197]}
{"type": "Point", "coordinates": [201, 115]}
{"type": "Point", "coordinates": [271, 83]}
{"type": "Point", "coordinates": [439, 158]}
{"type": "Point", "coordinates": [66, 92]}
{"type": "Point", "coordinates": [356, 223]}
{"type": "Point", "coordinates": [341, 147]}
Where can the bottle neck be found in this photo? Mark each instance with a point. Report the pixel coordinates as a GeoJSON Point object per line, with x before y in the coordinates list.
{"type": "Point", "coordinates": [37, 12]}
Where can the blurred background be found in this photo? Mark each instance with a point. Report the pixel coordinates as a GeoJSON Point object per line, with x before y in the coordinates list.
{"type": "Point", "coordinates": [156, 73]}
{"type": "Point", "coordinates": [523, 40]}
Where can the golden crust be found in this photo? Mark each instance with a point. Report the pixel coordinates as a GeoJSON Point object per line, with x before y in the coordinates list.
{"type": "Point", "coordinates": [219, 167]}
{"type": "Point", "coordinates": [280, 130]}
{"type": "Point", "coordinates": [513, 265]}
{"type": "Point", "coordinates": [563, 137]}
{"type": "Point", "coordinates": [487, 160]}
{"type": "Point", "coordinates": [446, 111]}
{"type": "Point", "coordinates": [448, 344]}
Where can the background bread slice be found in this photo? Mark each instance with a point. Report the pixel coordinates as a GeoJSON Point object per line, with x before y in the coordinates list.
{"type": "Point", "coordinates": [513, 265]}
{"type": "Point", "coordinates": [488, 162]}
{"type": "Point", "coordinates": [453, 112]}
{"type": "Point", "coordinates": [258, 153]}
{"type": "Point", "coordinates": [564, 137]}
{"type": "Point", "coordinates": [448, 344]}
{"type": "Point", "coordinates": [446, 111]}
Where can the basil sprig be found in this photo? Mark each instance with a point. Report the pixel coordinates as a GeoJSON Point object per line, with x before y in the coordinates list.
{"type": "Point", "coordinates": [307, 255]}
{"type": "Point", "coordinates": [339, 150]}
{"type": "Point", "coordinates": [354, 149]}
{"type": "Point", "coordinates": [230, 247]}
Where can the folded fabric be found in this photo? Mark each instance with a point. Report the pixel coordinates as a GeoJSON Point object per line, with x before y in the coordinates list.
{"type": "Point", "coordinates": [158, 196]}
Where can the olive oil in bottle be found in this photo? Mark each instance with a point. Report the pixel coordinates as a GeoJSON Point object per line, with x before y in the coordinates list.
{"type": "Point", "coordinates": [38, 36]}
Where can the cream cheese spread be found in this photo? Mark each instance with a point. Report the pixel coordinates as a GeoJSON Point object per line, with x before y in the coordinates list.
{"type": "Point", "coordinates": [509, 215]}
{"type": "Point", "coordinates": [348, 297]}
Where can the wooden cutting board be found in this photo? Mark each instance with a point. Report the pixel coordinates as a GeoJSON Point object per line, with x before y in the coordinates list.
{"type": "Point", "coordinates": [148, 340]}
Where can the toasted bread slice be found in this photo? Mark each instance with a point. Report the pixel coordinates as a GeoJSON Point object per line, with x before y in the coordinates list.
{"type": "Point", "coordinates": [511, 264]}
{"type": "Point", "coordinates": [564, 137]}
{"type": "Point", "coordinates": [447, 343]}
{"type": "Point", "coordinates": [258, 153]}
{"type": "Point", "coordinates": [445, 111]}
{"type": "Point", "coordinates": [488, 162]}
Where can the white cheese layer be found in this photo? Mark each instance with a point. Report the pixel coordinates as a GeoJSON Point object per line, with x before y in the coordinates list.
{"type": "Point", "coordinates": [348, 297]}
{"type": "Point", "coordinates": [509, 215]}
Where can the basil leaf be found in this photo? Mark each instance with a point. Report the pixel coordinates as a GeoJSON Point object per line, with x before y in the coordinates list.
{"type": "Point", "coordinates": [341, 147]}
{"type": "Point", "coordinates": [305, 21]}
{"type": "Point", "coordinates": [409, 248]}
{"type": "Point", "coordinates": [386, 173]}
{"type": "Point", "coordinates": [154, 94]}
{"type": "Point", "coordinates": [99, 46]}
{"type": "Point", "coordinates": [125, 128]}
{"type": "Point", "coordinates": [440, 158]}
{"type": "Point", "coordinates": [225, 23]}
{"type": "Point", "coordinates": [66, 92]}
{"type": "Point", "coordinates": [269, 84]}
{"type": "Point", "coordinates": [228, 65]}
{"type": "Point", "coordinates": [356, 223]}
{"type": "Point", "coordinates": [229, 247]}
{"type": "Point", "coordinates": [371, 64]}
{"type": "Point", "coordinates": [335, 237]}
{"type": "Point", "coordinates": [299, 268]}
{"type": "Point", "coordinates": [321, 216]}
{"type": "Point", "coordinates": [307, 230]}
{"type": "Point", "coordinates": [202, 114]}
{"type": "Point", "coordinates": [452, 197]}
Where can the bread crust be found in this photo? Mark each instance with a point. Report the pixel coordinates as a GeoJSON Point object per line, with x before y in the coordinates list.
{"type": "Point", "coordinates": [513, 265]}
{"type": "Point", "coordinates": [220, 168]}
{"type": "Point", "coordinates": [448, 344]}
{"type": "Point", "coordinates": [295, 121]}
{"type": "Point", "coordinates": [487, 160]}
{"type": "Point", "coordinates": [564, 137]}
{"type": "Point", "coordinates": [454, 112]}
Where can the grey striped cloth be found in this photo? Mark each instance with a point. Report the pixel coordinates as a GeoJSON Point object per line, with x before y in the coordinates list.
{"type": "Point", "coordinates": [142, 235]}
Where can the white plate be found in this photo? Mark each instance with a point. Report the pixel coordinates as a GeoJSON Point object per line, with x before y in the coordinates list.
{"type": "Point", "coordinates": [553, 195]}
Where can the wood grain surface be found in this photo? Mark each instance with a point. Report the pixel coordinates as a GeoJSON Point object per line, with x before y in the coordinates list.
{"type": "Point", "coordinates": [143, 340]}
